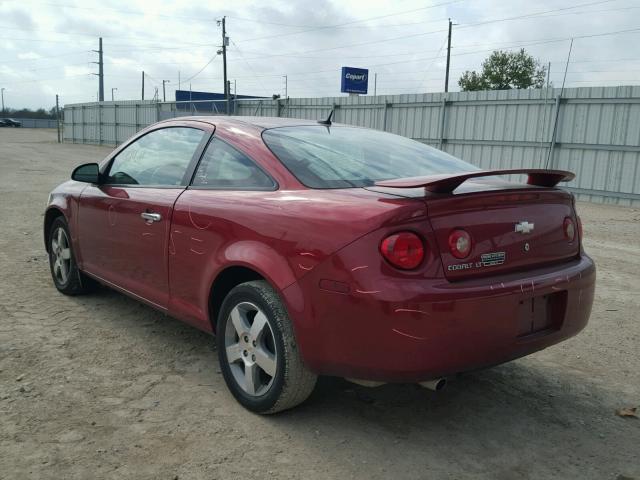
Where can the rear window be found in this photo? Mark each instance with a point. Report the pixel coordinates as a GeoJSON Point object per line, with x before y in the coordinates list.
{"type": "Point", "coordinates": [343, 157]}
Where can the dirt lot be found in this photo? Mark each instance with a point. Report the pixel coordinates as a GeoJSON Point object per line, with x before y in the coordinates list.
{"type": "Point", "coordinates": [104, 387]}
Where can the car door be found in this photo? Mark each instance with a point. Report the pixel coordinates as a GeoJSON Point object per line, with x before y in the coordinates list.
{"type": "Point", "coordinates": [123, 223]}
{"type": "Point", "coordinates": [227, 185]}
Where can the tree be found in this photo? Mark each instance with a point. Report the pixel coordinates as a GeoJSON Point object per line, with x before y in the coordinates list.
{"type": "Point", "coordinates": [28, 113]}
{"type": "Point", "coordinates": [504, 71]}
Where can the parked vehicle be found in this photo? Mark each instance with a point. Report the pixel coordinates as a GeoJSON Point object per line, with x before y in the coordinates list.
{"type": "Point", "coordinates": [10, 122]}
{"type": "Point", "coordinates": [322, 249]}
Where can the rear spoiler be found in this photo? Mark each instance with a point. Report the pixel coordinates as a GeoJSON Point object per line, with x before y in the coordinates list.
{"type": "Point", "coordinates": [448, 182]}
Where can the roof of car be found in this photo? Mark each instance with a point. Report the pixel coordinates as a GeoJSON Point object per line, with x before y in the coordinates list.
{"type": "Point", "coordinates": [260, 122]}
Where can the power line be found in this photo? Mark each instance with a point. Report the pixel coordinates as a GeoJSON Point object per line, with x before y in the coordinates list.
{"type": "Point", "coordinates": [437, 56]}
{"type": "Point", "coordinates": [325, 27]}
{"type": "Point", "coordinates": [248, 64]}
{"type": "Point", "coordinates": [317, 27]}
{"type": "Point", "coordinates": [45, 58]}
{"type": "Point", "coordinates": [349, 24]}
{"type": "Point", "coordinates": [528, 15]}
{"type": "Point", "coordinates": [130, 12]}
{"type": "Point", "coordinates": [200, 71]}
{"type": "Point", "coordinates": [422, 23]}
{"type": "Point", "coordinates": [477, 51]}
{"type": "Point", "coordinates": [40, 80]}
{"type": "Point", "coordinates": [402, 37]}
{"type": "Point", "coordinates": [333, 70]}
{"type": "Point", "coordinates": [116, 47]}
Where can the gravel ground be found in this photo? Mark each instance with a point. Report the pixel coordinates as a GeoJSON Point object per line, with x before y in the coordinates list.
{"type": "Point", "coordinates": [104, 387]}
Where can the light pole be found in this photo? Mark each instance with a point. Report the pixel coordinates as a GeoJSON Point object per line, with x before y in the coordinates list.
{"type": "Point", "coordinates": [164, 95]}
{"type": "Point", "coordinates": [113, 90]}
{"type": "Point", "coordinates": [2, 91]}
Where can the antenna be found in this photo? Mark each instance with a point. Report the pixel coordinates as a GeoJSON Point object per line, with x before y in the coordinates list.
{"type": "Point", "coordinates": [327, 122]}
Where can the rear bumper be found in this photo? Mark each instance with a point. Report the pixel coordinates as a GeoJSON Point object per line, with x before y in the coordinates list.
{"type": "Point", "coordinates": [419, 329]}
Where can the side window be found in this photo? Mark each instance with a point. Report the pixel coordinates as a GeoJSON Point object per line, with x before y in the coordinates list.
{"type": "Point", "coordinates": [160, 157]}
{"type": "Point", "coordinates": [222, 166]}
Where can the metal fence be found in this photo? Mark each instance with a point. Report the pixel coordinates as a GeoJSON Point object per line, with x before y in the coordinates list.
{"type": "Point", "coordinates": [35, 122]}
{"type": "Point", "coordinates": [594, 132]}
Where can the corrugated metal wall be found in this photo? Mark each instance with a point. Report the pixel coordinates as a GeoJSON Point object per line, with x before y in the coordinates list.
{"type": "Point", "coordinates": [596, 134]}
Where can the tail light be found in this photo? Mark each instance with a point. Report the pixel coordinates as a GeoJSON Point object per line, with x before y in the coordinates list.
{"type": "Point", "coordinates": [460, 243]}
{"type": "Point", "coordinates": [579, 220]}
{"type": "Point", "coordinates": [569, 229]}
{"type": "Point", "coordinates": [403, 250]}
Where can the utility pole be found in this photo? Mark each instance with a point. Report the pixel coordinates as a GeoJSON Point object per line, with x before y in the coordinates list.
{"type": "Point", "coordinates": [286, 87]}
{"type": "Point", "coordinates": [164, 92]}
{"type": "Point", "coordinates": [446, 77]}
{"type": "Point", "coordinates": [100, 72]}
{"type": "Point", "coordinates": [113, 90]}
{"type": "Point", "coordinates": [179, 82]}
{"type": "Point", "coordinates": [58, 117]}
{"type": "Point", "coordinates": [143, 85]}
{"type": "Point", "coordinates": [2, 91]}
{"type": "Point", "coordinates": [375, 84]}
{"type": "Point", "coordinates": [225, 42]}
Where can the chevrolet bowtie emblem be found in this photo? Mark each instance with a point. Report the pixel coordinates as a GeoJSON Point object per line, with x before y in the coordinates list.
{"type": "Point", "coordinates": [524, 227]}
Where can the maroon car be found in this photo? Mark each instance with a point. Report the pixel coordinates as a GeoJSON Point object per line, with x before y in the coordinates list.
{"type": "Point", "coordinates": [318, 249]}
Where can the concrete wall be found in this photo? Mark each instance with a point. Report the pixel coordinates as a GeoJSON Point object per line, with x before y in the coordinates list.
{"type": "Point", "coordinates": [596, 134]}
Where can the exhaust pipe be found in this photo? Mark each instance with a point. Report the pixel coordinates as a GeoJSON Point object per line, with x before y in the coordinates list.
{"type": "Point", "coordinates": [435, 385]}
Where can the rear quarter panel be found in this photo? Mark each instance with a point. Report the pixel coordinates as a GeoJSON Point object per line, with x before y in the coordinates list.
{"type": "Point", "coordinates": [283, 235]}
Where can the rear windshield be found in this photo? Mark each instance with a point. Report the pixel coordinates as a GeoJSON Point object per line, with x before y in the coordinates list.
{"type": "Point", "coordinates": [343, 157]}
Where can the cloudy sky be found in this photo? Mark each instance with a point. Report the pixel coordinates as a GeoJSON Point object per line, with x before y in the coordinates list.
{"type": "Point", "coordinates": [46, 46]}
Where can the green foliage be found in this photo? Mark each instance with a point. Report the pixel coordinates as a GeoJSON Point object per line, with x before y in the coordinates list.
{"type": "Point", "coordinates": [28, 113]}
{"type": "Point", "coordinates": [504, 71]}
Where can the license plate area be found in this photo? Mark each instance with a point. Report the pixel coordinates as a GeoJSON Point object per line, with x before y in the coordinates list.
{"type": "Point", "coordinates": [544, 313]}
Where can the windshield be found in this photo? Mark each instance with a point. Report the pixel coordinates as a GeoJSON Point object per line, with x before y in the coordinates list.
{"type": "Point", "coordinates": [342, 157]}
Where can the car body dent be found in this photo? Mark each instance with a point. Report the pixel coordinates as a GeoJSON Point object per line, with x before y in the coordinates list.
{"type": "Point", "coordinates": [353, 313]}
{"type": "Point", "coordinates": [282, 235]}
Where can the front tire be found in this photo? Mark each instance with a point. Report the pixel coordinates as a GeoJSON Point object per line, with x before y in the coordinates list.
{"type": "Point", "coordinates": [258, 355]}
{"type": "Point", "coordinates": [64, 270]}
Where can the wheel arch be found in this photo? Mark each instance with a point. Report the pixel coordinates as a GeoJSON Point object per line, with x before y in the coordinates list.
{"type": "Point", "coordinates": [224, 282]}
{"type": "Point", "coordinates": [49, 217]}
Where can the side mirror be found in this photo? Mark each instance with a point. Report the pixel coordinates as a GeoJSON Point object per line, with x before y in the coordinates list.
{"type": "Point", "coordinates": [87, 173]}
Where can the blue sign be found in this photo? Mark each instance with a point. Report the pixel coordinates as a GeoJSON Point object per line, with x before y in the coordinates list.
{"type": "Point", "coordinates": [354, 80]}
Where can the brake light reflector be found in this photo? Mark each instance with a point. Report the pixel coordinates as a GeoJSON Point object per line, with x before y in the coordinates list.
{"type": "Point", "coordinates": [569, 229]}
{"type": "Point", "coordinates": [403, 250]}
{"type": "Point", "coordinates": [459, 243]}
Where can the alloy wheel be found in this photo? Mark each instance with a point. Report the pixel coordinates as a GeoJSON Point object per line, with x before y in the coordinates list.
{"type": "Point", "coordinates": [250, 349]}
{"type": "Point", "coordinates": [61, 255]}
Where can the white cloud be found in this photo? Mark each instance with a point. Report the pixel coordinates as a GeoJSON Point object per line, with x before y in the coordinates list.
{"type": "Point", "coordinates": [29, 56]}
{"type": "Point", "coordinates": [48, 46]}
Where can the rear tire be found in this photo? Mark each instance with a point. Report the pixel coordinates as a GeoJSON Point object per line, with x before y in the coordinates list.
{"type": "Point", "coordinates": [64, 269]}
{"type": "Point", "coordinates": [258, 355]}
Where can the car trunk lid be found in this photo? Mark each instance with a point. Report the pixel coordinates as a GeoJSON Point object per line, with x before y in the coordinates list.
{"type": "Point", "coordinates": [512, 226]}
{"type": "Point", "coordinates": [509, 231]}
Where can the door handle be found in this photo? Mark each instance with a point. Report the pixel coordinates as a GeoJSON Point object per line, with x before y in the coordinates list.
{"type": "Point", "coordinates": [151, 217]}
